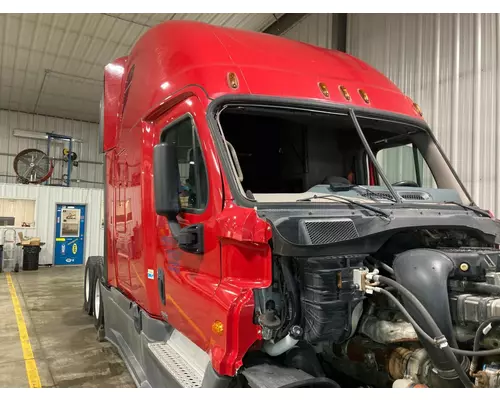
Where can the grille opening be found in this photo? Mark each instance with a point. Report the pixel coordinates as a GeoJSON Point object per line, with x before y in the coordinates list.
{"type": "Point", "coordinates": [415, 196]}
{"type": "Point", "coordinates": [325, 231]}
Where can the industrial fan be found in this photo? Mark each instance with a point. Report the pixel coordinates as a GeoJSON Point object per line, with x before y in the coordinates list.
{"type": "Point", "coordinates": [33, 166]}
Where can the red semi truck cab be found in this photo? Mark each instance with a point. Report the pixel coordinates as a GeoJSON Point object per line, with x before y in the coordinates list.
{"type": "Point", "coordinates": [224, 150]}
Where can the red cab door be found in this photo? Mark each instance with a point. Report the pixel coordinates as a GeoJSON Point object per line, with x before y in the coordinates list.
{"type": "Point", "coordinates": [187, 281]}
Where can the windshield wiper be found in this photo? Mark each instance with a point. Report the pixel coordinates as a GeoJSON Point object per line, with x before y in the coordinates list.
{"type": "Point", "coordinates": [372, 157]}
{"type": "Point", "coordinates": [476, 210]}
{"type": "Point", "coordinates": [335, 197]}
{"type": "Point", "coordinates": [341, 187]}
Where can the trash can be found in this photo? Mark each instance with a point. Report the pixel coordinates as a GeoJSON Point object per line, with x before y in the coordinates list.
{"type": "Point", "coordinates": [31, 255]}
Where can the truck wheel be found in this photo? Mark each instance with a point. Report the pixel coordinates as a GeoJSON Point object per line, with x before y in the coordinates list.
{"type": "Point", "coordinates": [98, 309]}
{"type": "Point", "coordinates": [88, 293]}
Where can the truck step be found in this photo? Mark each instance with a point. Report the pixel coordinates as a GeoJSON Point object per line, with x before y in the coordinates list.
{"type": "Point", "coordinates": [187, 374]}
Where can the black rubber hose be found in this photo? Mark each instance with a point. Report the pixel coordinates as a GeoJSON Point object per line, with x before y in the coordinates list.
{"type": "Point", "coordinates": [456, 365]}
{"type": "Point", "coordinates": [313, 383]}
{"type": "Point", "coordinates": [385, 266]}
{"type": "Point", "coordinates": [479, 353]}
{"type": "Point", "coordinates": [406, 314]}
{"type": "Point", "coordinates": [416, 302]}
{"type": "Point", "coordinates": [292, 290]}
{"type": "Point", "coordinates": [377, 263]}
{"type": "Point", "coordinates": [479, 333]}
{"type": "Point", "coordinates": [418, 328]}
{"type": "Point", "coordinates": [449, 353]}
{"type": "Point", "coordinates": [482, 287]}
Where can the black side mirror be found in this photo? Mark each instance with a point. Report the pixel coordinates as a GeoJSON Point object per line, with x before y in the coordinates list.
{"type": "Point", "coordinates": [167, 187]}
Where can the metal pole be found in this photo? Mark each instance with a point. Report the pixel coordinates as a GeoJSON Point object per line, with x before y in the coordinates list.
{"type": "Point", "coordinates": [476, 111]}
{"type": "Point", "coordinates": [455, 92]}
{"type": "Point", "coordinates": [69, 161]}
{"type": "Point", "coordinates": [497, 159]}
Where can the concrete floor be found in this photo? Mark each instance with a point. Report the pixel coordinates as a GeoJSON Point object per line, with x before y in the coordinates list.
{"type": "Point", "coordinates": [62, 335]}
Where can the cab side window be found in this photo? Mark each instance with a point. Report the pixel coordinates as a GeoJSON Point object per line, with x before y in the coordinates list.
{"type": "Point", "coordinates": [193, 190]}
{"type": "Point", "coordinates": [405, 163]}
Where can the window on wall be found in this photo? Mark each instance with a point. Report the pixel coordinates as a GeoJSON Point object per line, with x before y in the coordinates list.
{"type": "Point", "coordinates": [194, 183]}
{"type": "Point", "coordinates": [17, 212]}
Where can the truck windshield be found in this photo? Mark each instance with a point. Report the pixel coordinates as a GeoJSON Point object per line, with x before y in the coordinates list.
{"type": "Point", "coordinates": [283, 155]}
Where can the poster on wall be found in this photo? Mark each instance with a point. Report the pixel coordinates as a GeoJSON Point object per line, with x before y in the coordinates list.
{"type": "Point", "coordinates": [70, 226]}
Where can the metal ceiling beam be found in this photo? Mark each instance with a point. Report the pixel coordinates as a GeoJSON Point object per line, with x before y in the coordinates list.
{"type": "Point", "coordinates": [340, 33]}
{"type": "Point", "coordinates": [284, 23]}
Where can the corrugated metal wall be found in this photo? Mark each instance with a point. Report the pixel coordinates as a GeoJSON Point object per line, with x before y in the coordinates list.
{"type": "Point", "coordinates": [88, 174]}
{"type": "Point", "coordinates": [45, 209]}
{"type": "Point", "coordinates": [450, 65]}
{"type": "Point", "coordinates": [316, 29]}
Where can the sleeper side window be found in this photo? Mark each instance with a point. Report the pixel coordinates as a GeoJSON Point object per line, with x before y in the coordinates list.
{"type": "Point", "coordinates": [193, 190]}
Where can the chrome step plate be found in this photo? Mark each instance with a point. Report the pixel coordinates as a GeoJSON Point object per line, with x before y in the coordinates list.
{"type": "Point", "coordinates": [184, 372]}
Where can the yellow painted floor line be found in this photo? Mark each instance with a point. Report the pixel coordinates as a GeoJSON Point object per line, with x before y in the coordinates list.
{"type": "Point", "coordinates": [29, 358]}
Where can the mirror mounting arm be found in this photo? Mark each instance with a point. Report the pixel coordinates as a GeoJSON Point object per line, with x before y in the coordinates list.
{"type": "Point", "coordinates": [190, 239]}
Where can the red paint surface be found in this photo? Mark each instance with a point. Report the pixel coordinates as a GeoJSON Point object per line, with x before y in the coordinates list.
{"type": "Point", "coordinates": [178, 68]}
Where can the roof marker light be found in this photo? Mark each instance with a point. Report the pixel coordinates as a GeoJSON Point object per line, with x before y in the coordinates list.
{"type": "Point", "coordinates": [345, 93]}
{"type": "Point", "coordinates": [364, 96]}
{"type": "Point", "coordinates": [324, 89]}
{"type": "Point", "coordinates": [232, 80]}
{"type": "Point", "coordinates": [417, 109]}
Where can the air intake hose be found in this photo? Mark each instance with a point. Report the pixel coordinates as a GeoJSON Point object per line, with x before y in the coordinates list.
{"type": "Point", "coordinates": [424, 272]}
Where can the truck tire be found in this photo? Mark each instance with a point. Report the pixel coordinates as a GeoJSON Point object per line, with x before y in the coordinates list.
{"type": "Point", "coordinates": [97, 301]}
{"type": "Point", "coordinates": [98, 306]}
{"type": "Point", "coordinates": [88, 280]}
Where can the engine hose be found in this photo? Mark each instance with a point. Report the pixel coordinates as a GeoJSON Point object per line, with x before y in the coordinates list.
{"type": "Point", "coordinates": [418, 328]}
{"type": "Point", "coordinates": [447, 350]}
{"type": "Point", "coordinates": [456, 365]}
{"type": "Point", "coordinates": [314, 382]}
{"type": "Point", "coordinates": [293, 291]}
{"type": "Point", "coordinates": [380, 264]}
{"type": "Point", "coordinates": [477, 340]}
{"type": "Point", "coordinates": [405, 313]}
{"type": "Point", "coordinates": [385, 266]}
{"type": "Point", "coordinates": [479, 353]}
{"type": "Point", "coordinates": [481, 287]}
{"type": "Point", "coordinates": [416, 302]}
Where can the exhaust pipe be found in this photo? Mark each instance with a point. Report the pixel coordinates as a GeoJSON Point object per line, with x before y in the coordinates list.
{"type": "Point", "coordinates": [425, 272]}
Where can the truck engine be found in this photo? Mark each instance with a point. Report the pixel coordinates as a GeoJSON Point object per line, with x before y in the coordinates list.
{"type": "Point", "coordinates": [421, 311]}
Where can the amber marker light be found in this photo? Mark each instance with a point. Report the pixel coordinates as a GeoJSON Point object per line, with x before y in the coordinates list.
{"type": "Point", "coordinates": [218, 327]}
{"type": "Point", "coordinates": [364, 96]}
{"type": "Point", "coordinates": [345, 93]}
{"type": "Point", "coordinates": [324, 89]}
{"type": "Point", "coordinates": [232, 80]}
{"type": "Point", "coordinates": [417, 109]}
